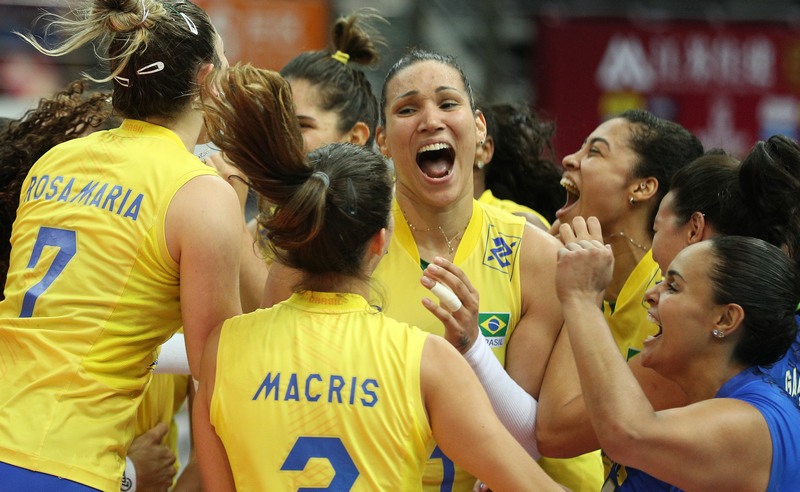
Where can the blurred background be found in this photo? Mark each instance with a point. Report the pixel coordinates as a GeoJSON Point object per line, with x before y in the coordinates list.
{"type": "Point", "coordinates": [728, 70]}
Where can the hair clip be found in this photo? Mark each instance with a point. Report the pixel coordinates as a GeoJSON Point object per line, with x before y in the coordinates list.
{"type": "Point", "coordinates": [152, 68]}
{"type": "Point", "coordinates": [123, 81]}
{"type": "Point", "coordinates": [351, 199]}
{"type": "Point", "coordinates": [189, 22]}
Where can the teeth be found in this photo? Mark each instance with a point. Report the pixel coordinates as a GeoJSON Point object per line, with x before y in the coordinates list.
{"type": "Point", "coordinates": [652, 319]}
{"type": "Point", "coordinates": [569, 185]}
{"type": "Point", "coordinates": [433, 146]}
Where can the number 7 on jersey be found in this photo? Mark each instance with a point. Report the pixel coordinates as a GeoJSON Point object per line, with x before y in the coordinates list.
{"type": "Point", "coordinates": [63, 239]}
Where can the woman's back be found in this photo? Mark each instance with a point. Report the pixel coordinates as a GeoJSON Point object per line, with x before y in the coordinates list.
{"type": "Point", "coordinates": [322, 375]}
{"type": "Point", "coordinates": [92, 290]}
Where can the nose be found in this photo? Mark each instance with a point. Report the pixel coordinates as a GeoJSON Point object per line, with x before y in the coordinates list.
{"type": "Point", "coordinates": [571, 161]}
{"type": "Point", "coordinates": [652, 294]}
{"type": "Point", "coordinates": [431, 120]}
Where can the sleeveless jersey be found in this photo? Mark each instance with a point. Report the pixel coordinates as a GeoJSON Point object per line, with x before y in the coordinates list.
{"type": "Point", "coordinates": [510, 206]}
{"type": "Point", "coordinates": [162, 400]}
{"type": "Point", "coordinates": [321, 390]}
{"type": "Point", "coordinates": [785, 371]}
{"type": "Point", "coordinates": [488, 255]}
{"type": "Point", "coordinates": [91, 294]}
{"type": "Point", "coordinates": [627, 317]}
{"type": "Point", "coordinates": [782, 416]}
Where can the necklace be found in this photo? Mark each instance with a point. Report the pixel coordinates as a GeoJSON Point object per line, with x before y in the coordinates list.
{"type": "Point", "coordinates": [622, 234]}
{"type": "Point", "coordinates": [448, 240]}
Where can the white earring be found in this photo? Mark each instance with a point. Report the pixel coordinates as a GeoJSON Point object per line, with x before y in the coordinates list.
{"type": "Point", "coordinates": [480, 164]}
{"type": "Point", "coordinates": [718, 333]}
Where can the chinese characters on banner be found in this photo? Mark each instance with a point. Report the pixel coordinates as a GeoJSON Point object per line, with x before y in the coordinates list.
{"type": "Point", "coordinates": [729, 83]}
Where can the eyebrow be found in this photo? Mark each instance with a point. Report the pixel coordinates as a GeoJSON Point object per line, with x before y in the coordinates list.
{"type": "Point", "coordinates": [594, 140]}
{"type": "Point", "coordinates": [414, 92]}
{"type": "Point", "coordinates": [674, 273]}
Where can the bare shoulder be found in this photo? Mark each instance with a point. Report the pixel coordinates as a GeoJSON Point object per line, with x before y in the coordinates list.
{"type": "Point", "coordinates": [538, 254]}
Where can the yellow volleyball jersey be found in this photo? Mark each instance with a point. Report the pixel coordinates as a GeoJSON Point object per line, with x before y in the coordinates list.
{"type": "Point", "coordinates": [488, 254]}
{"type": "Point", "coordinates": [510, 206]}
{"type": "Point", "coordinates": [161, 401]}
{"type": "Point", "coordinates": [91, 294]}
{"type": "Point", "coordinates": [627, 317]}
{"type": "Point", "coordinates": [321, 390]}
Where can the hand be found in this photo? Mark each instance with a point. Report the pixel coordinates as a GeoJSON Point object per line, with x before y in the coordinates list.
{"type": "Point", "coordinates": [461, 326]}
{"type": "Point", "coordinates": [231, 174]}
{"type": "Point", "coordinates": [585, 264]}
{"type": "Point", "coordinates": [153, 460]}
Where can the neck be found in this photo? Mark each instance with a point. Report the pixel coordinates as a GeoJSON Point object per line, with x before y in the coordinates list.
{"type": "Point", "coordinates": [628, 252]}
{"type": "Point", "coordinates": [336, 283]}
{"type": "Point", "coordinates": [702, 379]}
{"type": "Point", "coordinates": [188, 126]}
{"type": "Point", "coordinates": [478, 183]}
{"type": "Point", "coordinates": [437, 231]}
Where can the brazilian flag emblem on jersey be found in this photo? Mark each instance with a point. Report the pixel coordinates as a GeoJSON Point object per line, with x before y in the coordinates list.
{"type": "Point", "coordinates": [494, 327]}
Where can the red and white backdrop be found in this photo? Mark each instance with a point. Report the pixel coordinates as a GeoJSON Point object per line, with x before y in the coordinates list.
{"type": "Point", "coordinates": [729, 83]}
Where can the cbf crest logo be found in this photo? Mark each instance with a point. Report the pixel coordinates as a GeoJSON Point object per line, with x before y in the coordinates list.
{"type": "Point", "coordinates": [500, 251]}
{"type": "Point", "coordinates": [494, 327]}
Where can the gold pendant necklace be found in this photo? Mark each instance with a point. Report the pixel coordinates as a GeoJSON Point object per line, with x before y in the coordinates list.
{"type": "Point", "coordinates": [448, 240]}
{"type": "Point", "coordinates": [622, 234]}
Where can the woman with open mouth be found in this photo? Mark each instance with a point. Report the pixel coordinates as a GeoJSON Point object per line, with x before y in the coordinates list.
{"type": "Point", "coordinates": [431, 130]}
{"type": "Point", "coordinates": [725, 307]}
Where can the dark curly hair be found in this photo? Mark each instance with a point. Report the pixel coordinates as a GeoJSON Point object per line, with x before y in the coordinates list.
{"type": "Point", "coordinates": [522, 168]}
{"type": "Point", "coordinates": [68, 114]}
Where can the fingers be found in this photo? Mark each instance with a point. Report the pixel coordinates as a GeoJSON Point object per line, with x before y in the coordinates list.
{"type": "Point", "coordinates": [157, 433]}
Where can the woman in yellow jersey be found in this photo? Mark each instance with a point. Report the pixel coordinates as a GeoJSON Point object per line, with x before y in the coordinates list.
{"type": "Point", "coordinates": [432, 131]}
{"type": "Point", "coordinates": [323, 389]}
{"type": "Point", "coordinates": [620, 174]}
{"type": "Point", "coordinates": [334, 102]}
{"type": "Point", "coordinates": [514, 170]}
{"type": "Point", "coordinates": [112, 251]}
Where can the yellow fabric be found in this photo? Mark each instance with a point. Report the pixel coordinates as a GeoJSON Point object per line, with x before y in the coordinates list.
{"type": "Point", "coordinates": [78, 354]}
{"type": "Point", "coordinates": [488, 255]}
{"type": "Point", "coordinates": [510, 206]}
{"type": "Point", "coordinates": [627, 317]}
{"type": "Point", "coordinates": [326, 374]}
{"type": "Point", "coordinates": [163, 399]}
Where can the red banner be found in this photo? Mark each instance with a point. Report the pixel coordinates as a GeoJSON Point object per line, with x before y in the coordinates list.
{"type": "Point", "coordinates": [729, 83]}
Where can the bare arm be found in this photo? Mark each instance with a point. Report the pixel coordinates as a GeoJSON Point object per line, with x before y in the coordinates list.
{"type": "Point", "coordinates": [512, 391]}
{"type": "Point", "coordinates": [726, 441]}
{"type": "Point", "coordinates": [215, 469]}
{"type": "Point", "coordinates": [253, 270]}
{"type": "Point", "coordinates": [466, 428]}
{"type": "Point", "coordinates": [203, 231]}
{"type": "Point", "coordinates": [540, 320]}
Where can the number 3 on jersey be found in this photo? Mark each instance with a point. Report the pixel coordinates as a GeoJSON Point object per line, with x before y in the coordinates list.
{"type": "Point", "coordinates": [66, 242]}
{"type": "Point", "coordinates": [330, 448]}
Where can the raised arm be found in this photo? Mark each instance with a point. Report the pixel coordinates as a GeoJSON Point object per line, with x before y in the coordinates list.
{"type": "Point", "coordinates": [719, 437]}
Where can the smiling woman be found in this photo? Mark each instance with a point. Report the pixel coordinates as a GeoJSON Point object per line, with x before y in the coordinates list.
{"type": "Point", "coordinates": [725, 307]}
